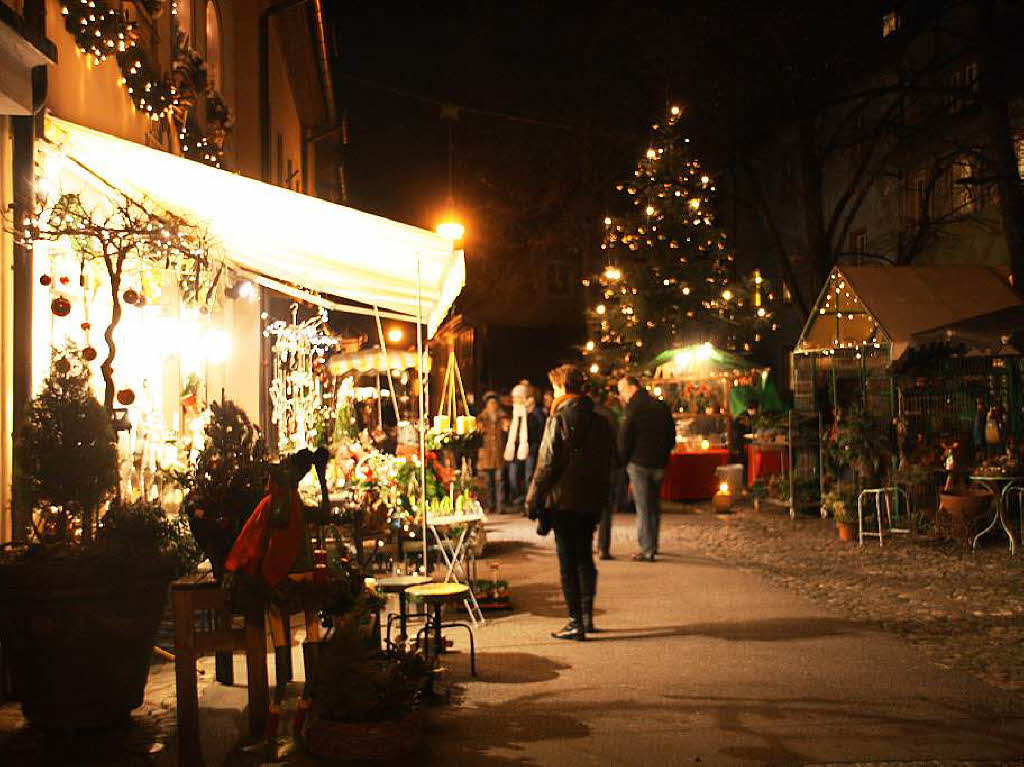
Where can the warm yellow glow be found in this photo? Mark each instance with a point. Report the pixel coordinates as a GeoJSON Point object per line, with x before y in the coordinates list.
{"type": "Point", "coordinates": [601, 309]}
{"type": "Point", "coordinates": [675, 110]}
{"type": "Point", "coordinates": [757, 277]}
{"type": "Point", "coordinates": [683, 359]}
{"type": "Point", "coordinates": [686, 291]}
{"type": "Point", "coordinates": [613, 273]}
{"type": "Point", "coordinates": [727, 294]}
{"type": "Point", "coordinates": [451, 230]}
{"type": "Point", "coordinates": [657, 391]}
{"type": "Point", "coordinates": [607, 220]}
{"type": "Point", "coordinates": [395, 335]}
{"type": "Point", "coordinates": [590, 346]}
{"type": "Point", "coordinates": [594, 368]}
{"type": "Point", "coordinates": [695, 202]}
{"type": "Point", "coordinates": [651, 154]}
{"type": "Point", "coordinates": [723, 488]}
{"type": "Point", "coordinates": [704, 444]}
{"type": "Point", "coordinates": [649, 210]}
{"type": "Point", "coordinates": [761, 312]}
{"type": "Point", "coordinates": [705, 180]}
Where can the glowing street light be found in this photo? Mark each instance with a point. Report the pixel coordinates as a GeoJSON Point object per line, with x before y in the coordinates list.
{"type": "Point", "coordinates": [451, 230]}
{"type": "Point", "coordinates": [395, 335]}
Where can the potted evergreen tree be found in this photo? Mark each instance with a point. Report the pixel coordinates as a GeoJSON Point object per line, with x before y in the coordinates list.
{"type": "Point", "coordinates": [80, 604]}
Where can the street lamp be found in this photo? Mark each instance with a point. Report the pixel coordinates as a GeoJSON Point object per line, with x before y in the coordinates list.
{"type": "Point", "coordinates": [395, 335]}
{"type": "Point", "coordinates": [451, 229]}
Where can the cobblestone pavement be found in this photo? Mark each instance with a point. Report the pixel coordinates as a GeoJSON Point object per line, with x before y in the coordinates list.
{"type": "Point", "coordinates": [141, 742]}
{"type": "Point", "coordinates": [963, 610]}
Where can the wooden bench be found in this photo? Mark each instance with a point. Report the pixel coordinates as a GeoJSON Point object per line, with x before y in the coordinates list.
{"type": "Point", "coordinates": [202, 592]}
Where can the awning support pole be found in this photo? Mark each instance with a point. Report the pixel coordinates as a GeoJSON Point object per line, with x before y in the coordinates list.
{"type": "Point", "coordinates": [423, 415]}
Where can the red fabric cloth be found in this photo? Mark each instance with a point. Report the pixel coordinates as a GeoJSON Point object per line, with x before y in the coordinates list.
{"type": "Point", "coordinates": [691, 475]}
{"type": "Point", "coordinates": [272, 554]}
{"type": "Point", "coordinates": [762, 462]}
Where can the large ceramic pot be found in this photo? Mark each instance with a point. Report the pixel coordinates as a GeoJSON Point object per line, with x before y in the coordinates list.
{"type": "Point", "coordinates": [79, 652]}
{"type": "Point", "coordinates": [958, 512]}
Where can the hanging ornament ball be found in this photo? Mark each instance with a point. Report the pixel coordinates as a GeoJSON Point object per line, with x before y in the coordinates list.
{"type": "Point", "coordinates": [126, 397]}
{"type": "Point", "coordinates": [63, 366]}
{"type": "Point", "coordinates": [45, 280]}
{"type": "Point", "coordinates": [88, 354]}
{"type": "Point", "coordinates": [204, 309]}
{"type": "Point", "coordinates": [130, 296]}
{"type": "Point", "coordinates": [60, 306]}
{"type": "Point", "coordinates": [86, 326]}
{"type": "Point", "coordinates": [64, 280]}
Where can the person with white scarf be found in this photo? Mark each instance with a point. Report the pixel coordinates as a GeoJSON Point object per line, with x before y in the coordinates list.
{"type": "Point", "coordinates": [517, 447]}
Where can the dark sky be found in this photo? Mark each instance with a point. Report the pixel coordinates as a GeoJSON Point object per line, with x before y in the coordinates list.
{"type": "Point", "coordinates": [599, 71]}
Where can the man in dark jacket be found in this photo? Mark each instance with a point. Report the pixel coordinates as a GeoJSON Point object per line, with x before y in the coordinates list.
{"type": "Point", "coordinates": [647, 437]}
{"type": "Point", "coordinates": [570, 486]}
{"type": "Point", "coordinates": [611, 505]}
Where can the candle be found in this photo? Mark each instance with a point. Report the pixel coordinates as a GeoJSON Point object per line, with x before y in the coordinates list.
{"type": "Point", "coordinates": [465, 424]}
{"type": "Point", "coordinates": [442, 423]}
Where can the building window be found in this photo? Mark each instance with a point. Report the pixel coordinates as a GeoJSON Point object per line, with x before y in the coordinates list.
{"type": "Point", "coordinates": [890, 23]}
{"type": "Point", "coordinates": [914, 196]}
{"type": "Point", "coordinates": [214, 58]}
{"type": "Point", "coordinates": [1018, 146]}
{"type": "Point", "coordinates": [965, 192]}
{"type": "Point", "coordinates": [963, 81]}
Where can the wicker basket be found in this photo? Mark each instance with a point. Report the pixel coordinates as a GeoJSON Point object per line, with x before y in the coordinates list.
{"type": "Point", "coordinates": [364, 741]}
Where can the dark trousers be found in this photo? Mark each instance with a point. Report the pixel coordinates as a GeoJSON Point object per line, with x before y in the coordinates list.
{"type": "Point", "coordinates": [615, 502]}
{"type": "Point", "coordinates": [574, 537]}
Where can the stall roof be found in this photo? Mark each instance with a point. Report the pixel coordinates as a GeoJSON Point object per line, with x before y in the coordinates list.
{"type": "Point", "coordinates": [865, 304]}
{"type": "Point", "coordinates": [276, 233]}
{"type": "Point", "coordinates": [374, 361]}
{"type": "Point", "coordinates": [997, 333]}
{"type": "Point", "coordinates": [700, 362]}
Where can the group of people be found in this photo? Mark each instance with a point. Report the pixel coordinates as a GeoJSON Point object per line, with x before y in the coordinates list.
{"type": "Point", "coordinates": [576, 448]}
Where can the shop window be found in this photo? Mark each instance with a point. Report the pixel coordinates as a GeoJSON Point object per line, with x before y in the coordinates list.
{"type": "Point", "coordinates": [965, 192]}
{"type": "Point", "coordinates": [890, 23]}
{"type": "Point", "coordinates": [214, 58]}
{"type": "Point", "coordinates": [183, 10]}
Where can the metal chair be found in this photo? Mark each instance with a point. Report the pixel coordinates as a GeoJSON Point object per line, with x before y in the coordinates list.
{"type": "Point", "coordinates": [890, 495]}
{"type": "Point", "coordinates": [399, 585]}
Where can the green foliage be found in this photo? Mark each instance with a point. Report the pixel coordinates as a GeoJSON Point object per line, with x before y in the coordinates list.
{"type": "Point", "coordinates": [226, 482]}
{"type": "Point", "coordinates": [449, 440]}
{"type": "Point", "coordinates": [861, 446]}
{"type": "Point", "coordinates": [356, 682]}
{"type": "Point", "coordinates": [346, 425]}
{"type": "Point", "coordinates": [65, 454]}
{"type": "Point", "coordinates": [841, 502]}
{"type": "Point", "coordinates": [142, 536]}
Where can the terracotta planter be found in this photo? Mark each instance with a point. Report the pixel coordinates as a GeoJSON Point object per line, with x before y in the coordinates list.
{"type": "Point", "coordinates": [79, 653]}
{"type": "Point", "coordinates": [958, 512]}
{"type": "Point", "coordinates": [364, 741]}
{"type": "Point", "coordinates": [846, 532]}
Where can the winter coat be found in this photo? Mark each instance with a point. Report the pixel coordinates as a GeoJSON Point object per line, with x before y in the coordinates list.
{"type": "Point", "coordinates": [613, 423]}
{"type": "Point", "coordinates": [574, 464]}
{"type": "Point", "coordinates": [648, 432]}
{"type": "Point", "coordinates": [535, 430]}
{"type": "Point", "coordinates": [489, 457]}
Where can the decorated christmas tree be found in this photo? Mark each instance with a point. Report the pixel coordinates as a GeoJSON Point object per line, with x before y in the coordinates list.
{"type": "Point", "coordinates": [226, 482]}
{"type": "Point", "coordinates": [668, 274]}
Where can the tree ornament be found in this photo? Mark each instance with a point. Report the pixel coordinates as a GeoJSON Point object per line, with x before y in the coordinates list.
{"type": "Point", "coordinates": [126, 397]}
{"type": "Point", "coordinates": [89, 354]}
{"type": "Point", "coordinates": [60, 306]}
{"type": "Point", "coordinates": [86, 326]}
{"type": "Point", "coordinates": [130, 296]}
{"type": "Point", "coordinates": [62, 365]}
{"type": "Point", "coordinates": [64, 279]}
{"type": "Point", "coordinates": [45, 280]}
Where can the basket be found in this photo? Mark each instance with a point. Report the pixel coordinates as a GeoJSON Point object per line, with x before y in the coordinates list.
{"type": "Point", "coordinates": [364, 741]}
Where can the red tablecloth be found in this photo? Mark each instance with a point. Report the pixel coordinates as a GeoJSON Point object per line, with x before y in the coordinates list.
{"type": "Point", "coordinates": [691, 475]}
{"type": "Point", "coordinates": [764, 461]}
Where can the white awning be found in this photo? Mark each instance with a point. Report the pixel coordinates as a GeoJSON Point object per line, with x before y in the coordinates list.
{"type": "Point", "coordinates": [278, 233]}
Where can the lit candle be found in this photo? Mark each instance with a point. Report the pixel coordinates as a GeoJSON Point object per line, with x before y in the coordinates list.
{"type": "Point", "coordinates": [442, 423]}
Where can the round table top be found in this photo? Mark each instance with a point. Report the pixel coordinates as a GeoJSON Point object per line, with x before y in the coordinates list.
{"type": "Point", "coordinates": [998, 478]}
{"type": "Point", "coordinates": [401, 582]}
{"type": "Point", "coordinates": [438, 590]}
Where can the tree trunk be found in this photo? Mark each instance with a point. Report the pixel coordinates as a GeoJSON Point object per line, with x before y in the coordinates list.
{"type": "Point", "coordinates": [995, 75]}
{"type": "Point", "coordinates": [107, 366]}
{"type": "Point", "coordinates": [819, 250]}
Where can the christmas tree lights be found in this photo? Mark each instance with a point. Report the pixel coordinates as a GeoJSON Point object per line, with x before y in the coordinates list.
{"type": "Point", "coordinates": [669, 275]}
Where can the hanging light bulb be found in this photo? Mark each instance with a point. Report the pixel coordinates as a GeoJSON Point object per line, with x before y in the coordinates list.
{"type": "Point", "coordinates": [727, 294]}
{"type": "Point", "coordinates": [590, 346]}
{"type": "Point", "coordinates": [594, 369]}
{"type": "Point", "coordinates": [649, 210]}
{"type": "Point", "coordinates": [613, 273]}
{"type": "Point", "coordinates": [601, 309]}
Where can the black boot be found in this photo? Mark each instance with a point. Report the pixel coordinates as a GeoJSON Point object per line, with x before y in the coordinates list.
{"type": "Point", "coordinates": [588, 616]}
{"type": "Point", "coordinates": [572, 630]}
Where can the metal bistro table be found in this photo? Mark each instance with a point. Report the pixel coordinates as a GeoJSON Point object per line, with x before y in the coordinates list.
{"type": "Point", "coordinates": [457, 553]}
{"type": "Point", "coordinates": [998, 486]}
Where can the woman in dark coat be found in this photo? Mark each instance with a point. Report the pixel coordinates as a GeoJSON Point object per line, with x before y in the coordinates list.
{"type": "Point", "coordinates": [569, 488]}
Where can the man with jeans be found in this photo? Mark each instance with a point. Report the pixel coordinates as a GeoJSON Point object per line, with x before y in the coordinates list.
{"type": "Point", "coordinates": [647, 437]}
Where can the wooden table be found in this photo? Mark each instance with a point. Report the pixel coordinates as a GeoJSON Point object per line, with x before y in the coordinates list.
{"type": "Point", "coordinates": [202, 592]}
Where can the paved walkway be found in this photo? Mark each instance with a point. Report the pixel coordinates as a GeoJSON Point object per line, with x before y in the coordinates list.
{"type": "Point", "coordinates": [703, 663]}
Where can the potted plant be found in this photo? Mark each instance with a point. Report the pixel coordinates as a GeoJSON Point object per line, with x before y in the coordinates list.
{"type": "Point", "coordinates": [842, 504]}
{"type": "Point", "coordinates": [366, 704]}
{"type": "Point", "coordinates": [80, 604]}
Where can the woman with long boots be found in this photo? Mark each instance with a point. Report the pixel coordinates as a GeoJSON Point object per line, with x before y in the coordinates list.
{"type": "Point", "coordinates": [569, 487]}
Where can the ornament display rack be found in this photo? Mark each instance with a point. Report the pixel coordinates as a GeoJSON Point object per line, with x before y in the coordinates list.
{"type": "Point", "coordinates": [447, 421]}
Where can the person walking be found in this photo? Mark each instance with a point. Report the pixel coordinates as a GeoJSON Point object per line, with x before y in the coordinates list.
{"type": "Point", "coordinates": [569, 488]}
{"type": "Point", "coordinates": [517, 448]}
{"type": "Point", "coordinates": [489, 456]}
{"type": "Point", "coordinates": [535, 418]}
{"type": "Point", "coordinates": [611, 504]}
{"type": "Point", "coordinates": [647, 437]}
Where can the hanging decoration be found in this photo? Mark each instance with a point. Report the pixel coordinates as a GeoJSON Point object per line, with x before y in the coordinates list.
{"type": "Point", "coordinates": [669, 275]}
{"type": "Point", "coordinates": [295, 387]}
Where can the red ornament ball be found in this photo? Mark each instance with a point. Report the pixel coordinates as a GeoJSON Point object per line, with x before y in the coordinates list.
{"type": "Point", "coordinates": [64, 280]}
{"type": "Point", "coordinates": [45, 280]}
{"type": "Point", "coordinates": [63, 366]}
{"type": "Point", "coordinates": [88, 354]}
{"type": "Point", "coordinates": [130, 296]}
{"type": "Point", "coordinates": [126, 397]}
{"type": "Point", "coordinates": [60, 306]}
{"type": "Point", "coordinates": [86, 326]}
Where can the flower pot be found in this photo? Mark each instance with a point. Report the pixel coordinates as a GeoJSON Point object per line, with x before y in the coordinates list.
{"type": "Point", "coordinates": [846, 533]}
{"type": "Point", "coordinates": [958, 512]}
{"type": "Point", "coordinates": [362, 742]}
{"type": "Point", "coordinates": [78, 651]}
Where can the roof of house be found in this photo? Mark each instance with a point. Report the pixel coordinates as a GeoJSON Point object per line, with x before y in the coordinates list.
{"type": "Point", "coordinates": [904, 300]}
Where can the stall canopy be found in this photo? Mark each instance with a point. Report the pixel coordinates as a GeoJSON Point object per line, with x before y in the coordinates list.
{"type": "Point", "coordinates": [703, 361]}
{"type": "Point", "coordinates": [374, 361]}
{"type": "Point", "coordinates": [275, 233]}
{"type": "Point", "coordinates": [862, 305]}
{"type": "Point", "coordinates": [998, 333]}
